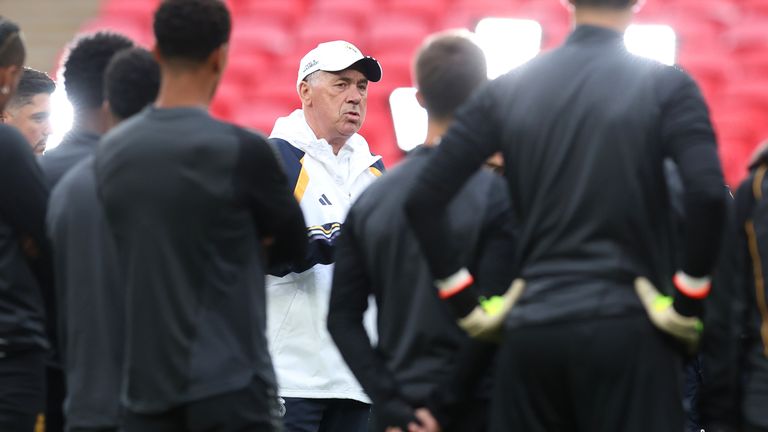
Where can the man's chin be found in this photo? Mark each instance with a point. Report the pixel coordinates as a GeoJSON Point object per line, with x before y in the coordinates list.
{"type": "Point", "coordinates": [39, 148]}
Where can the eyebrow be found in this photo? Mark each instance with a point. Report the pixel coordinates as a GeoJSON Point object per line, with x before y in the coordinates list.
{"type": "Point", "coordinates": [349, 80]}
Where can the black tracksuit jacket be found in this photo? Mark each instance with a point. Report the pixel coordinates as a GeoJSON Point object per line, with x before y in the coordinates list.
{"type": "Point", "coordinates": [419, 343]}
{"type": "Point", "coordinates": [584, 131]}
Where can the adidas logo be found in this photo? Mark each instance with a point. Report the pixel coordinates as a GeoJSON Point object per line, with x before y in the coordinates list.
{"type": "Point", "coordinates": [324, 200]}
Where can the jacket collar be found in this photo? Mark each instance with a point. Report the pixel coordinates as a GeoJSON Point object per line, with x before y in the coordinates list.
{"type": "Point", "coordinates": [77, 137]}
{"type": "Point", "coordinates": [295, 130]}
{"type": "Point", "coordinates": [593, 34]}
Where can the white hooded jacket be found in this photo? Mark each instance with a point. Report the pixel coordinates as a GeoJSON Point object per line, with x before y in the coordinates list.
{"type": "Point", "coordinates": [307, 362]}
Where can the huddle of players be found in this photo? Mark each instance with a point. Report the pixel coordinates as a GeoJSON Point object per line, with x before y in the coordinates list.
{"type": "Point", "coordinates": [186, 214]}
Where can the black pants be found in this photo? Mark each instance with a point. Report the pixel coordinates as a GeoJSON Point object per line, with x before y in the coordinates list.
{"type": "Point", "coordinates": [94, 430]}
{"type": "Point", "coordinates": [326, 415]}
{"type": "Point", "coordinates": [248, 410]}
{"type": "Point", "coordinates": [22, 391]}
{"type": "Point", "coordinates": [54, 407]}
{"type": "Point", "coordinates": [471, 416]}
{"type": "Point", "coordinates": [600, 375]}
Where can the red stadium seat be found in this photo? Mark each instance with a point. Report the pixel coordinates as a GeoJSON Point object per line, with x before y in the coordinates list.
{"type": "Point", "coordinates": [467, 13]}
{"type": "Point", "coordinates": [711, 72]}
{"type": "Point", "coordinates": [546, 13]}
{"type": "Point", "coordinates": [227, 96]}
{"type": "Point", "coordinates": [354, 11]}
{"type": "Point", "coordinates": [246, 70]}
{"type": "Point", "coordinates": [759, 7]}
{"type": "Point", "coordinates": [427, 10]}
{"type": "Point", "coordinates": [255, 36]}
{"type": "Point", "coordinates": [396, 67]}
{"type": "Point", "coordinates": [753, 66]}
{"type": "Point", "coordinates": [259, 115]}
{"type": "Point", "coordinates": [287, 11]}
{"type": "Point", "coordinates": [396, 32]}
{"type": "Point", "coordinates": [323, 29]}
{"type": "Point", "coordinates": [749, 37]}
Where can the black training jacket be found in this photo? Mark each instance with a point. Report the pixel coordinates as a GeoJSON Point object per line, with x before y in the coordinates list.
{"type": "Point", "coordinates": [23, 270]}
{"type": "Point", "coordinates": [190, 202]}
{"type": "Point", "coordinates": [584, 131]}
{"type": "Point", "coordinates": [418, 339]}
{"type": "Point", "coordinates": [735, 346]}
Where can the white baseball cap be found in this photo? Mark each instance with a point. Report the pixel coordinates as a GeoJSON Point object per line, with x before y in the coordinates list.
{"type": "Point", "coordinates": [336, 56]}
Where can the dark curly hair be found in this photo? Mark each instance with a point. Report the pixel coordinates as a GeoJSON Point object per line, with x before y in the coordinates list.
{"type": "Point", "coordinates": [85, 65]}
{"type": "Point", "coordinates": [12, 52]}
{"type": "Point", "coordinates": [131, 82]}
{"type": "Point", "coordinates": [32, 83]}
{"type": "Point", "coordinates": [191, 29]}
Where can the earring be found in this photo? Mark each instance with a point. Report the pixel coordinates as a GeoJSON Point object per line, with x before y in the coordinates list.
{"type": "Point", "coordinates": [5, 90]}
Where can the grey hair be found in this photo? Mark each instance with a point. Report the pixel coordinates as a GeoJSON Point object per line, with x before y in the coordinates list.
{"type": "Point", "coordinates": [313, 77]}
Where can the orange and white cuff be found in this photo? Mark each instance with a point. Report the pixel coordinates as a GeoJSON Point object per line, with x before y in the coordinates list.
{"type": "Point", "coordinates": [454, 283]}
{"type": "Point", "coordinates": [694, 287]}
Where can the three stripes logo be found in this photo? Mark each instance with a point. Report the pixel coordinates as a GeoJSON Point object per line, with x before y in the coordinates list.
{"type": "Point", "coordinates": [324, 200]}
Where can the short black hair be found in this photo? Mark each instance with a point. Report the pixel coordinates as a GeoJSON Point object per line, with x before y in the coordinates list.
{"type": "Point", "coordinates": [85, 65]}
{"type": "Point", "coordinates": [32, 83]}
{"type": "Point", "coordinates": [12, 52]}
{"type": "Point", "coordinates": [449, 67]}
{"type": "Point", "coordinates": [610, 4]}
{"type": "Point", "coordinates": [131, 82]}
{"type": "Point", "coordinates": [191, 29]}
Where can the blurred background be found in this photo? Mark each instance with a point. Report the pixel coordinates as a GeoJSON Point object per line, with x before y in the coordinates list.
{"type": "Point", "coordinates": [722, 43]}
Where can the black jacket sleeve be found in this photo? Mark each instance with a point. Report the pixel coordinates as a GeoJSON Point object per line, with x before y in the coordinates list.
{"type": "Point", "coordinates": [494, 267]}
{"type": "Point", "coordinates": [471, 139]}
{"type": "Point", "coordinates": [349, 300]}
{"type": "Point", "coordinates": [24, 195]}
{"type": "Point", "coordinates": [261, 184]}
{"type": "Point", "coordinates": [689, 139]}
{"type": "Point", "coordinates": [23, 204]}
{"type": "Point", "coordinates": [724, 321]}
{"type": "Point", "coordinates": [687, 135]}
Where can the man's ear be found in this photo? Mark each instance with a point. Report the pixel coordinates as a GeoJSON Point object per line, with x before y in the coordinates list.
{"type": "Point", "coordinates": [9, 79]}
{"type": "Point", "coordinates": [156, 53]}
{"type": "Point", "coordinates": [109, 116]}
{"type": "Point", "coordinates": [218, 59]}
{"type": "Point", "coordinates": [420, 99]}
{"type": "Point", "coordinates": [305, 93]}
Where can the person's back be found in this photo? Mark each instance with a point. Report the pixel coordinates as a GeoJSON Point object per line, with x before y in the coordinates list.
{"type": "Point", "coordinates": [417, 335]}
{"type": "Point", "coordinates": [91, 299]}
{"type": "Point", "coordinates": [195, 206]}
{"type": "Point", "coordinates": [84, 82]}
{"type": "Point", "coordinates": [420, 351]}
{"type": "Point", "coordinates": [585, 173]}
{"type": "Point", "coordinates": [584, 131]}
{"type": "Point", "coordinates": [198, 286]}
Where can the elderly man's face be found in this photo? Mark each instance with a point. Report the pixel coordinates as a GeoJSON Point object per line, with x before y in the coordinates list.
{"type": "Point", "coordinates": [32, 120]}
{"type": "Point", "coordinates": [339, 100]}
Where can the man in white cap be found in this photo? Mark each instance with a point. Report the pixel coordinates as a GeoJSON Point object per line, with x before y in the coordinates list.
{"type": "Point", "coordinates": [328, 164]}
